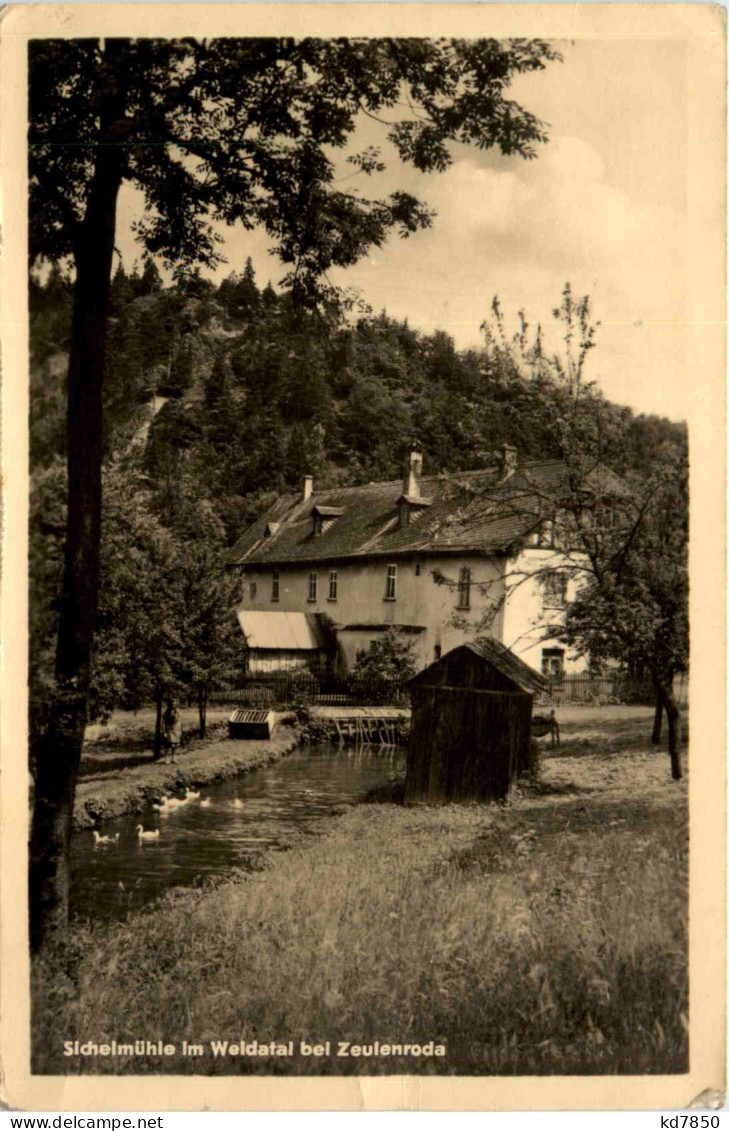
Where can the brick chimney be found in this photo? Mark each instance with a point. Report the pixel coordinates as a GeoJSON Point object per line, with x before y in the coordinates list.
{"type": "Point", "coordinates": [308, 487]}
{"type": "Point", "coordinates": [508, 459]}
{"type": "Point", "coordinates": [413, 471]}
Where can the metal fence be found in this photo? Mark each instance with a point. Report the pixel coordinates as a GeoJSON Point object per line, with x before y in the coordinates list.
{"type": "Point", "coordinates": [284, 688]}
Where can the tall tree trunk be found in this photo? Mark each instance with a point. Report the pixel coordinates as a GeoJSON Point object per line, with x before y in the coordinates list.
{"type": "Point", "coordinates": [674, 735]}
{"type": "Point", "coordinates": [658, 717]}
{"type": "Point", "coordinates": [674, 725]}
{"type": "Point", "coordinates": [59, 750]}
{"type": "Point", "coordinates": [158, 725]}
{"type": "Point", "coordinates": [202, 708]}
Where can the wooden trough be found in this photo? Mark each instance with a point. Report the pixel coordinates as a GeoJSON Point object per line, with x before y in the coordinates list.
{"type": "Point", "coordinates": [247, 724]}
{"type": "Point", "coordinates": [471, 724]}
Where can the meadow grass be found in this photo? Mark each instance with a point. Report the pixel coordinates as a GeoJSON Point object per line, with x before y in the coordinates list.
{"type": "Point", "coordinates": [547, 936]}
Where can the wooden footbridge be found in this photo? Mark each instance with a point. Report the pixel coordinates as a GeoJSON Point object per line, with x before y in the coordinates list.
{"type": "Point", "coordinates": [374, 725]}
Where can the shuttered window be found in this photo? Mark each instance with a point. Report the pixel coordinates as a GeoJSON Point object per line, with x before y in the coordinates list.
{"type": "Point", "coordinates": [555, 591]}
{"type": "Point", "coordinates": [464, 588]}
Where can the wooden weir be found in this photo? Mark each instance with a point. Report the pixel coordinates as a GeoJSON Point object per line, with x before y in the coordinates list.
{"type": "Point", "coordinates": [375, 726]}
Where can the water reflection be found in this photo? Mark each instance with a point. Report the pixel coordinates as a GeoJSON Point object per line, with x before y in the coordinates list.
{"type": "Point", "coordinates": [257, 811]}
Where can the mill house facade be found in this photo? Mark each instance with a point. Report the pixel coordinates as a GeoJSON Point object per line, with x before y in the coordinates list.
{"type": "Point", "coordinates": [325, 572]}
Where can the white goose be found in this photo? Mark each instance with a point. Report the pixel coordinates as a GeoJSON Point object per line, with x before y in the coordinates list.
{"type": "Point", "coordinates": [99, 839]}
{"type": "Point", "coordinates": [191, 795]}
{"type": "Point", "coordinates": [206, 803]}
{"type": "Point", "coordinates": [148, 834]}
{"type": "Point", "coordinates": [173, 803]}
{"type": "Point", "coordinates": [237, 804]}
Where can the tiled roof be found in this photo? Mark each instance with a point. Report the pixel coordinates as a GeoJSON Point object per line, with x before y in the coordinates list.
{"type": "Point", "coordinates": [471, 511]}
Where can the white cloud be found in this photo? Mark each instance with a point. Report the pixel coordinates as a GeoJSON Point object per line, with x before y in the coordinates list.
{"type": "Point", "coordinates": [522, 229]}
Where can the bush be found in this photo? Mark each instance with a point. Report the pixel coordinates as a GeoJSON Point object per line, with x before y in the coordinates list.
{"type": "Point", "coordinates": [380, 670]}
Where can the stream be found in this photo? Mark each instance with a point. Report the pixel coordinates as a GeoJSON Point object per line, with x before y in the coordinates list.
{"type": "Point", "coordinates": [244, 814]}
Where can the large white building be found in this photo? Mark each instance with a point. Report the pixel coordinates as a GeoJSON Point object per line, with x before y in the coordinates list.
{"type": "Point", "coordinates": [441, 558]}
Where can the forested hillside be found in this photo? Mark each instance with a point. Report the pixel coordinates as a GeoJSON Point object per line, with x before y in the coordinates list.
{"type": "Point", "coordinates": [218, 399]}
{"type": "Point", "coordinates": [254, 395]}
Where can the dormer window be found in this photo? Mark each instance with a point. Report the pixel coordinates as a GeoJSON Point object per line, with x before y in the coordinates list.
{"type": "Point", "coordinates": [411, 508]}
{"type": "Point", "coordinates": [541, 536]}
{"type": "Point", "coordinates": [545, 534]}
{"type": "Point", "coordinates": [324, 518]}
{"type": "Point", "coordinates": [271, 528]}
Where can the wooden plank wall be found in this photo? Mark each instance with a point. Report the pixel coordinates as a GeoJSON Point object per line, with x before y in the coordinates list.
{"type": "Point", "coordinates": [466, 744]}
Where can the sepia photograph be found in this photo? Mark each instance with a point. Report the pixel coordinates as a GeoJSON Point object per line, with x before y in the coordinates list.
{"type": "Point", "coordinates": [365, 409]}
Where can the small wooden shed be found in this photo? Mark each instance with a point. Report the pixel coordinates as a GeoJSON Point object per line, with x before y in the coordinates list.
{"type": "Point", "coordinates": [471, 720]}
{"type": "Point", "coordinates": [244, 723]}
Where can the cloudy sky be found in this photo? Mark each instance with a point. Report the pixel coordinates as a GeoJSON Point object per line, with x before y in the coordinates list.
{"type": "Point", "coordinates": [603, 206]}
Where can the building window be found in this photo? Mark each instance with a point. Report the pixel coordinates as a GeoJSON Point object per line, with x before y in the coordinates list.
{"type": "Point", "coordinates": [553, 662]}
{"type": "Point", "coordinates": [254, 590]}
{"type": "Point", "coordinates": [391, 584]}
{"type": "Point", "coordinates": [313, 579]}
{"type": "Point", "coordinates": [464, 589]}
{"type": "Point", "coordinates": [274, 586]}
{"type": "Point", "coordinates": [555, 591]}
{"type": "Point", "coordinates": [437, 652]}
{"type": "Point", "coordinates": [333, 583]}
{"type": "Point", "coordinates": [417, 569]}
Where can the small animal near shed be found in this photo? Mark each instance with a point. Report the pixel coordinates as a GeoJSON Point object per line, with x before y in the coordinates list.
{"type": "Point", "coordinates": [471, 723]}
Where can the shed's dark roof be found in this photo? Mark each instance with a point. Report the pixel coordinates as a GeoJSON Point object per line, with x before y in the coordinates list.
{"type": "Point", "coordinates": [471, 512]}
{"type": "Point", "coordinates": [499, 656]}
{"type": "Point", "coordinates": [509, 664]}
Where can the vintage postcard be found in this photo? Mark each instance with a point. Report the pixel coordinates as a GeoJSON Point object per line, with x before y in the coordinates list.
{"type": "Point", "coordinates": [363, 456]}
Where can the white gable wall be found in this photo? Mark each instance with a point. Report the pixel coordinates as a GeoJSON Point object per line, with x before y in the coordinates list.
{"type": "Point", "coordinates": [527, 615]}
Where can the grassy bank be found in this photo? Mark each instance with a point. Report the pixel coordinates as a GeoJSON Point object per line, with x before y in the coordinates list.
{"type": "Point", "coordinates": [107, 795]}
{"type": "Point", "coordinates": [545, 937]}
{"type": "Point", "coordinates": [127, 738]}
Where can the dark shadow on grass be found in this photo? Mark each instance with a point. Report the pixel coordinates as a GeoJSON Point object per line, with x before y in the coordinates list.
{"type": "Point", "coordinates": [554, 789]}
{"type": "Point", "coordinates": [389, 793]}
{"type": "Point", "coordinates": [94, 766]}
